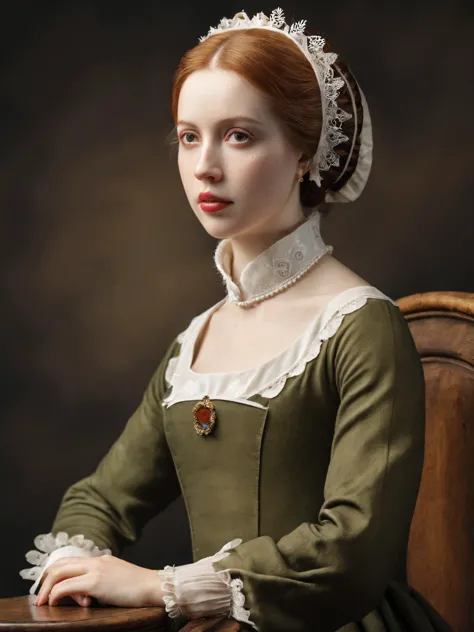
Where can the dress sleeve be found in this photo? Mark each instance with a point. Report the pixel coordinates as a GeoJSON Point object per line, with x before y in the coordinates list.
{"type": "Point", "coordinates": [326, 574]}
{"type": "Point", "coordinates": [136, 479]}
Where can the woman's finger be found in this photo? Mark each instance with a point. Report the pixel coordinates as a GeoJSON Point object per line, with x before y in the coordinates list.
{"type": "Point", "coordinates": [53, 575]}
{"type": "Point", "coordinates": [74, 600]}
{"type": "Point", "coordinates": [56, 575]}
{"type": "Point", "coordinates": [82, 600]}
{"type": "Point", "coordinates": [72, 587]}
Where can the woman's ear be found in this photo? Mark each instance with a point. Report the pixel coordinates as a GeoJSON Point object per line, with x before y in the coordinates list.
{"type": "Point", "coordinates": [303, 164]}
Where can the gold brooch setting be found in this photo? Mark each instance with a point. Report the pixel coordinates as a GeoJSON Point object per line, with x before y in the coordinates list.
{"type": "Point", "coordinates": [204, 416]}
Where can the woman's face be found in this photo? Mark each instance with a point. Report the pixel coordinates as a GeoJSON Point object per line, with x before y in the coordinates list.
{"type": "Point", "coordinates": [250, 163]}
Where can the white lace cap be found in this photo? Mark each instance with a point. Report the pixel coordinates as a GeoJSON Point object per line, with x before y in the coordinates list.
{"type": "Point", "coordinates": [356, 183]}
{"type": "Point", "coordinates": [321, 62]}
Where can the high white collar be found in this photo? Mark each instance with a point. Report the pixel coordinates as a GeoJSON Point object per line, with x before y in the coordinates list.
{"type": "Point", "coordinates": [276, 265]}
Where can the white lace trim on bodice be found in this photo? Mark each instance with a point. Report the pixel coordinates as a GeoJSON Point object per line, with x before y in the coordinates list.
{"type": "Point", "coordinates": [267, 379]}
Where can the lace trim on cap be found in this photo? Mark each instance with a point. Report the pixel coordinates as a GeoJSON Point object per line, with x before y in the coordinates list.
{"type": "Point", "coordinates": [269, 378]}
{"type": "Point", "coordinates": [312, 47]}
{"type": "Point", "coordinates": [46, 544]}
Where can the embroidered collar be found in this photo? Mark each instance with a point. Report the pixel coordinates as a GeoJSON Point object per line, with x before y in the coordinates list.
{"type": "Point", "coordinates": [276, 265]}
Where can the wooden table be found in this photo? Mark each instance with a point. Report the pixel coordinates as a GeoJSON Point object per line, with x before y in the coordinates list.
{"type": "Point", "coordinates": [20, 613]}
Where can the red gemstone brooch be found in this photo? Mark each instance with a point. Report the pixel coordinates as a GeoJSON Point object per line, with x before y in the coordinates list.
{"type": "Point", "coordinates": [204, 415]}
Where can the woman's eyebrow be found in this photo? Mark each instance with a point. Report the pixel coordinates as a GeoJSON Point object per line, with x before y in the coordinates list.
{"type": "Point", "coordinates": [230, 119]}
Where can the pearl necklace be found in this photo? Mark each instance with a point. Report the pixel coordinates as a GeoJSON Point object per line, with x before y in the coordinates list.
{"type": "Point", "coordinates": [275, 269]}
{"type": "Point", "coordinates": [281, 288]}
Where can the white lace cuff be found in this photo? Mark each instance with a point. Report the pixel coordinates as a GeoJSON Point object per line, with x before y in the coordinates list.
{"type": "Point", "coordinates": [51, 549]}
{"type": "Point", "coordinates": [197, 590]}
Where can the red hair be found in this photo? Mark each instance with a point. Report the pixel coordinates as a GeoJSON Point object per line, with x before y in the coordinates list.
{"type": "Point", "coordinates": [279, 69]}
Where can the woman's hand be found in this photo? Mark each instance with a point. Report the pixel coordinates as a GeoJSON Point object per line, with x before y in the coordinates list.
{"type": "Point", "coordinates": [109, 579]}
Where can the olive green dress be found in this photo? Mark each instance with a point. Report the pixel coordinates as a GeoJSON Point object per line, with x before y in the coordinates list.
{"type": "Point", "coordinates": [317, 471]}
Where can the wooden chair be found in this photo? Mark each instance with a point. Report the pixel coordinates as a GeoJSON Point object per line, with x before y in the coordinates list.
{"type": "Point", "coordinates": [441, 545]}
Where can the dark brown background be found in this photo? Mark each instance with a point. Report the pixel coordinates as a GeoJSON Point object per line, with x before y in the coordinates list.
{"type": "Point", "coordinates": [103, 261]}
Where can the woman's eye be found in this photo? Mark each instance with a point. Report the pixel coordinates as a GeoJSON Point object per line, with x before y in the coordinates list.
{"type": "Point", "coordinates": [185, 137]}
{"type": "Point", "coordinates": [247, 137]}
{"type": "Point", "coordinates": [186, 134]}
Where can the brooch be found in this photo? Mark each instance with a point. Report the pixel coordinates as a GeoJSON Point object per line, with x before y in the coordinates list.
{"type": "Point", "coordinates": [204, 415]}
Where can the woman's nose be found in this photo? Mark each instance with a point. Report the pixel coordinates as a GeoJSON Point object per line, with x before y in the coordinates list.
{"type": "Point", "coordinates": [208, 165]}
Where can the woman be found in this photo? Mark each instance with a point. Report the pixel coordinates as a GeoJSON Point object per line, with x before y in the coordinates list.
{"type": "Point", "coordinates": [291, 413]}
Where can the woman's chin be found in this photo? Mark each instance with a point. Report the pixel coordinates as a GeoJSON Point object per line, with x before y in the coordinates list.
{"type": "Point", "coordinates": [220, 227]}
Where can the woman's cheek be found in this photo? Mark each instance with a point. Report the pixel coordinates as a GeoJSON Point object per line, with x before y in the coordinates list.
{"type": "Point", "coordinates": [183, 166]}
{"type": "Point", "coordinates": [259, 170]}
{"type": "Point", "coordinates": [270, 177]}
{"type": "Point", "coordinates": [186, 174]}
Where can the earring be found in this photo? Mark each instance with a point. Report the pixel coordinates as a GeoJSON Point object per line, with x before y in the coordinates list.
{"type": "Point", "coordinates": [300, 179]}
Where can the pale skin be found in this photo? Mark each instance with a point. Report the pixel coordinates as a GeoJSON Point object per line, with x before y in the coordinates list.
{"type": "Point", "coordinates": [253, 165]}
{"type": "Point", "coordinates": [109, 579]}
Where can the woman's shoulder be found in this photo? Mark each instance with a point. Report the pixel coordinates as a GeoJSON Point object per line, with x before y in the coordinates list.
{"type": "Point", "coordinates": [364, 320]}
{"type": "Point", "coordinates": [333, 274]}
{"type": "Point", "coordinates": [346, 293]}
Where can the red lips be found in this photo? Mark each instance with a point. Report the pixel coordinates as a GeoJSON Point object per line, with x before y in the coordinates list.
{"type": "Point", "coordinates": [209, 197]}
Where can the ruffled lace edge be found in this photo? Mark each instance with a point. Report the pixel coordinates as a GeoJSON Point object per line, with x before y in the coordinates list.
{"type": "Point", "coordinates": [167, 576]}
{"type": "Point", "coordinates": [46, 543]}
{"type": "Point", "coordinates": [168, 585]}
{"type": "Point", "coordinates": [327, 332]}
{"type": "Point", "coordinates": [237, 609]}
